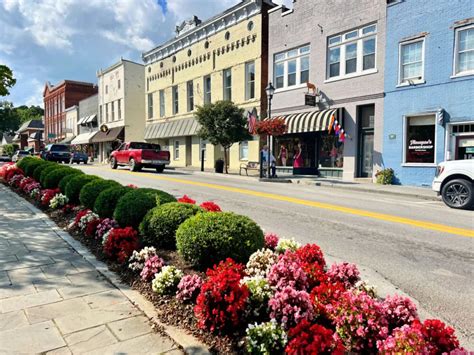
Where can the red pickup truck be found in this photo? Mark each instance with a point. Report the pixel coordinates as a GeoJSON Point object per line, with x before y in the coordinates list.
{"type": "Point", "coordinates": [137, 155]}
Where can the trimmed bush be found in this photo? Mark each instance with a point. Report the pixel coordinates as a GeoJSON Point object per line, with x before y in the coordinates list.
{"type": "Point", "coordinates": [49, 169]}
{"type": "Point", "coordinates": [107, 200]}
{"type": "Point", "coordinates": [74, 186]}
{"type": "Point", "coordinates": [23, 163]}
{"type": "Point", "coordinates": [159, 226]}
{"type": "Point", "coordinates": [208, 238]}
{"type": "Point", "coordinates": [91, 190]}
{"type": "Point", "coordinates": [133, 206]}
{"type": "Point", "coordinates": [32, 165]}
{"type": "Point", "coordinates": [39, 169]}
{"type": "Point", "coordinates": [52, 178]}
{"type": "Point", "coordinates": [160, 196]}
{"type": "Point", "coordinates": [65, 180]}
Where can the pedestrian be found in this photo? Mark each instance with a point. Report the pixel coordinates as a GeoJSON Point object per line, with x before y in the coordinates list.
{"type": "Point", "coordinates": [283, 155]}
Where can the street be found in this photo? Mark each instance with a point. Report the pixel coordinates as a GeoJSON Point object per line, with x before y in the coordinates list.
{"type": "Point", "coordinates": [423, 248]}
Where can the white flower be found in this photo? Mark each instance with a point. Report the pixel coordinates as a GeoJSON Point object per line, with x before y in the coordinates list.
{"type": "Point", "coordinates": [287, 244]}
{"type": "Point", "coordinates": [90, 216]}
{"type": "Point", "coordinates": [138, 259]}
{"type": "Point", "coordinates": [167, 280]}
{"type": "Point", "coordinates": [59, 200]}
{"type": "Point", "coordinates": [260, 262]}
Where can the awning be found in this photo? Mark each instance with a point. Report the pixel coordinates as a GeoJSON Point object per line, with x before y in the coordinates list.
{"type": "Point", "coordinates": [82, 120]}
{"type": "Point", "coordinates": [90, 119]}
{"type": "Point", "coordinates": [109, 136]}
{"type": "Point", "coordinates": [177, 128]}
{"type": "Point", "coordinates": [67, 140]}
{"type": "Point", "coordinates": [84, 138]}
{"type": "Point", "coordinates": [312, 121]}
{"type": "Point", "coordinates": [37, 136]}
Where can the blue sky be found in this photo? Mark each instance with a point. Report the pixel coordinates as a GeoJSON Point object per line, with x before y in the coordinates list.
{"type": "Point", "coordinates": [52, 40]}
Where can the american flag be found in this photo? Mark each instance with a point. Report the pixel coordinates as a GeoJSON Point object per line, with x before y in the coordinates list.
{"type": "Point", "coordinates": [251, 122]}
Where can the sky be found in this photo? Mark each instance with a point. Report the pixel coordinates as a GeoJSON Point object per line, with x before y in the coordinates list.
{"type": "Point", "coordinates": [52, 40]}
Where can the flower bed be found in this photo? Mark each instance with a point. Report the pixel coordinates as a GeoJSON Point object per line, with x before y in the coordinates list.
{"type": "Point", "coordinates": [278, 297]}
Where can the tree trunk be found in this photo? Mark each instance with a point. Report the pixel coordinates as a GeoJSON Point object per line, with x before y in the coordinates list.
{"type": "Point", "coordinates": [225, 160]}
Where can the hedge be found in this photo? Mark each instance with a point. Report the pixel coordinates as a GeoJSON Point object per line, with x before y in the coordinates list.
{"type": "Point", "coordinates": [208, 238]}
{"type": "Point", "coordinates": [159, 226]}
{"type": "Point", "coordinates": [161, 197]}
{"type": "Point", "coordinates": [31, 166]}
{"type": "Point", "coordinates": [107, 201]}
{"type": "Point", "coordinates": [24, 162]}
{"type": "Point", "coordinates": [52, 179]}
{"type": "Point", "coordinates": [74, 186]}
{"type": "Point", "coordinates": [39, 169]}
{"type": "Point", "coordinates": [65, 180]}
{"type": "Point", "coordinates": [133, 206]}
{"type": "Point", "coordinates": [91, 191]}
{"type": "Point", "coordinates": [49, 169]}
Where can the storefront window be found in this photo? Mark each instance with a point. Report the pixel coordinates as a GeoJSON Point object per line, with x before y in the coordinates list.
{"type": "Point", "coordinates": [420, 140]}
{"type": "Point", "coordinates": [244, 150]}
{"type": "Point", "coordinates": [331, 152]}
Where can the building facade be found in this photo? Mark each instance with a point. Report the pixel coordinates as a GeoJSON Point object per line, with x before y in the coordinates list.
{"type": "Point", "coordinates": [223, 58]}
{"type": "Point", "coordinates": [334, 52]}
{"type": "Point", "coordinates": [87, 127]}
{"type": "Point", "coordinates": [429, 84]}
{"type": "Point", "coordinates": [56, 99]}
{"type": "Point", "coordinates": [30, 136]}
{"type": "Point", "coordinates": [121, 106]}
{"type": "Point", "coordinates": [71, 123]}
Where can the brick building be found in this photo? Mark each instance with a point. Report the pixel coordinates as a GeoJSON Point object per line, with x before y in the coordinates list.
{"type": "Point", "coordinates": [56, 99]}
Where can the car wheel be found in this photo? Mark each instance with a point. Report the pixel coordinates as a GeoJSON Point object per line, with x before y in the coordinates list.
{"type": "Point", "coordinates": [132, 165]}
{"type": "Point", "coordinates": [113, 163]}
{"type": "Point", "coordinates": [160, 169]}
{"type": "Point", "coordinates": [458, 193]}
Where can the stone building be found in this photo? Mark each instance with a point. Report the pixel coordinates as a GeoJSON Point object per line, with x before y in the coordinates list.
{"type": "Point", "coordinates": [222, 58]}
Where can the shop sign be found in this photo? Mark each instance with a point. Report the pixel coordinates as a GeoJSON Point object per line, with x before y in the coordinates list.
{"type": "Point", "coordinates": [420, 150]}
{"type": "Point", "coordinates": [51, 135]}
{"type": "Point", "coordinates": [104, 128]}
{"type": "Point", "coordinates": [310, 100]}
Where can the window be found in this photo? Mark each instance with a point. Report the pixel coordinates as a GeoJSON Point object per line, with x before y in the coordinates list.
{"type": "Point", "coordinates": [150, 106]}
{"type": "Point", "coordinates": [175, 100]}
{"type": "Point", "coordinates": [118, 83]}
{"type": "Point", "coordinates": [101, 118]}
{"type": "Point", "coordinates": [227, 84]}
{"type": "Point", "coordinates": [106, 112]}
{"type": "Point", "coordinates": [190, 89]}
{"type": "Point", "coordinates": [207, 89]}
{"type": "Point", "coordinates": [464, 51]}
{"type": "Point", "coordinates": [112, 109]}
{"type": "Point", "coordinates": [162, 103]}
{"type": "Point", "coordinates": [352, 53]}
{"type": "Point", "coordinates": [176, 150]}
{"type": "Point", "coordinates": [420, 139]}
{"type": "Point", "coordinates": [292, 67]}
{"type": "Point", "coordinates": [203, 152]}
{"type": "Point", "coordinates": [411, 61]}
{"type": "Point", "coordinates": [244, 150]}
{"type": "Point", "coordinates": [249, 80]}
{"type": "Point", "coordinates": [106, 89]}
{"type": "Point", "coordinates": [119, 109]}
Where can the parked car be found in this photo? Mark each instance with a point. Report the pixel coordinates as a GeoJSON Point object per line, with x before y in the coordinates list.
{"type": "Point", "coordinates": [5, 158]}
{"type": "Point", "coordinates": [20, 154]}
{"type": "Point", "coordinates": [56, 152]}
{"type": "Point", "coordinates": [79, 157]}
{"type": "Point", "coordinates": [454, 182]}
{"type": "Point", "coordinates": [137, 155]}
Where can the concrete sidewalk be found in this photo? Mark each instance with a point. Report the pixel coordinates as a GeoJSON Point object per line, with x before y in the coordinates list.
{"type": "Point", "coordinates": [53, 301]}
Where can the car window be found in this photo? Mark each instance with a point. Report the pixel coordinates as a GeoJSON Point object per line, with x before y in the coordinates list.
{"type": "Point", "coordinates": [60, 148]}
{"type": "Point", "coordinates": [140, 145]}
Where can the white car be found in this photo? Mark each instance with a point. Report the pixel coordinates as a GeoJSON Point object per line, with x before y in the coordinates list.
{"type": "Point", "coordinates": [20, 154]}
{"type": "Point", "coordinates": [454, 182]}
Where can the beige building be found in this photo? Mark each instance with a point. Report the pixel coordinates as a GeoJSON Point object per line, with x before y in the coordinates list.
{"type": "Point", "coordinates": [121, 106]}
{"type": "Point", "coordinates": [223, 58]}
{"type": "Point", "coordinates": [71, 123]}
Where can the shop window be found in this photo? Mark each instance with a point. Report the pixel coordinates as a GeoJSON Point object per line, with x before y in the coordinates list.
{"type": "Point", "coordinates": [464, 51]}
{"type": "Point", "coordinates": [150, 106]}
{"type": "Point", "coordinates": [175, 100]}
{"type": "Point", "coordinates": [112, 110]}
{"type": "Point", "coordinates": [420, 140]}
{"type": "Point", "coordinates": [227, 75]}
{"type": "Point", "coordinates": [162, 103]}
{"type": "Point", "coordinates": [292, 67]}
{"type": "Point", "coordinates": [244, 150]}
{"type": "Point", "coordinates": [119, 109]}
{"type": "Point", "coordinates": [207, 89]}
{"type": "Point", "coordinates": [411, 61]}
{"type": "Point", "coordinates": [249, 80]}
{"type": "Point", "coordinates": [190, 91]}
{"type": "Point", "coordinates": [118, 83]}
{"type": "Point", "coordinates": [107, 112]}
{"type": "Point", "coordinates": [176, 150]}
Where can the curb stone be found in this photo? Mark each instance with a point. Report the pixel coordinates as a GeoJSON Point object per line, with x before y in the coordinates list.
{"type": "Point", "coordinates": [186, 341]}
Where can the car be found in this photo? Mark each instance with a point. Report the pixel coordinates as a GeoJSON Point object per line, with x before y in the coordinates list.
{"type": "Point", "coordinates": [57, 153]}
{"type": "Point", "coordinates": [138, 155]}
{"type": "Point", "coordinates": [79, 157]}
{"type": "Point", "coordinates": [5, 158]}
{"type": "Point", "coordinates": [20, 154]}
{"type": "Point", "coordinates": [454, 181]}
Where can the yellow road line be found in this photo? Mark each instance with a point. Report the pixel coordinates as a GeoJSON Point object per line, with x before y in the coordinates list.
{"type": "Point", "coordinates": [321, 205]}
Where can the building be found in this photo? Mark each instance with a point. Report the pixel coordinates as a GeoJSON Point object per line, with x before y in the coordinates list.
{"type": "Point", "coordinates": [87, 127]}
{"type": "Point", "coordinates": [56, 99]}
{"type": "Point", "coordinates": [334, 52]}
{"type": "Point", "coordinates": [121, 106]}
{"type": "Point", "coordinates": [71, 123]}
{"type": "Point", "coordinates": [30, 136]}
{"type": "Point", "coordinates": [429, 81]}
{"type": "Point", "coordinates": [223, 58]}
{"type": "Point", "coordinates": [6, 139]}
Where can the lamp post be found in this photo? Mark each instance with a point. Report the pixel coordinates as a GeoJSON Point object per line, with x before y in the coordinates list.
{"type": "Point", "coordinates": [270, 90]}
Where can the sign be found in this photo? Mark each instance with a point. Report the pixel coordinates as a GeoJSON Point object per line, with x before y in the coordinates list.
{"type": "Point", "coordinates": [51, 135]}
{"type": "Point", "coordinates": [104, 128]}
{"type": "Point", "coordinates": [421, 151]}
{"type": "Point", "coordinates": [392, 136]}
{"type": "Point", "coordinates": [310, 100]}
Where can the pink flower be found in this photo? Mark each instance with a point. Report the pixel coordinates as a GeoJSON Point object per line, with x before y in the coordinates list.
{"type": "Point", "coordinates": [152, 266]}
{"type": "Point", "coordinates": [271, 241]}
{"type": "Point", "coordinates": [346, 273]}
{"type": "Point", "coordinates": [189, 288]}
{"type": "Point", "coordinates": [290, 306]}
{"type": "Point", "coordinates": [288, 271]}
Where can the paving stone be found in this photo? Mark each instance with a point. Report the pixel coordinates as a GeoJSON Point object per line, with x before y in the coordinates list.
{"type": "Point", "coordinates": [16, 290]}
{"type": "Point", "coordinates": [7, 258]}
{"type": "Point", "coordinates": [130, 328]}
{"type": "Point", "coordinates": [6, 266]}
{"type": "Point", "coordinates": [34, 338]}
{"type": "Point", "coordinates": [84, 289]}
{"type": "Point", "coordinates": [52, 284]}
{"type": "Point", "coordinates": [60, 351]}
{"type": "Point", "coordinates": [23, 302]}
{"type": "Point", "coordinates": [26, 276]}
{"type": "Point", "coordinates": [13, 320]}
{"type": "Point", "coordinates": [146, 344]}
{"type": "Point", "coordinates": [105, 299]}
{"type": "Point", "coordinates": [58, 269]}
{"type": "Point", "coordinates": [90, 339]}
{"type": "Point", "coordinates": [56, 310]}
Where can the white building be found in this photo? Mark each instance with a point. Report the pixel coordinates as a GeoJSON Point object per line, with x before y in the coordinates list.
{"type": "Point", "coordinates": [71, 123]}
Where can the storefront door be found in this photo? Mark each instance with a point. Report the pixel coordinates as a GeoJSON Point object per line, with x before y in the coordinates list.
{"type": "Point", "coordinates": [365, 122]}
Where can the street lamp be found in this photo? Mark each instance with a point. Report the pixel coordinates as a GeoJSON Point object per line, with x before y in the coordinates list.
{"type": "Point", "coordinates": [270, 90]}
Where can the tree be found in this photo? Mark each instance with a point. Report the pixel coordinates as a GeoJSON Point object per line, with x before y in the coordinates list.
{"type": "Point", "coordinates": [9, 120]}
{"type": "Point", "coordinates": [26, 113]}
{"type": "Point", "coordinates": [222, 123]}
{"type": "Point", "coordinates": [6, 80]}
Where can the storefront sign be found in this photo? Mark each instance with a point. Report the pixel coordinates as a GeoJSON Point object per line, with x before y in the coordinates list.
{"type": "Point", "coordinates": [51, 135]}
{"type": "Point", "coordinates": [420, 150]}
{"type": "Point", "coordinates": [310, 100]}
{"type": "Point", "coordinates": [104, 128]}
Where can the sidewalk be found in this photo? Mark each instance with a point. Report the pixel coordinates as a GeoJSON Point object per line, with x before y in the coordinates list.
{"type": "Point", "coordinates": [53, 301]}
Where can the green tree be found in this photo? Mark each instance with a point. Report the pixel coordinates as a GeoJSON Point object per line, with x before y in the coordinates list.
{"type": "Point", "coordinates": [6, 80]}
{"type": "Point", "coordinates": [26, 113]}
{"type": "Point", "coordinates": [9, 120]}
{"type": "Point", "coordinates": [222, 123]}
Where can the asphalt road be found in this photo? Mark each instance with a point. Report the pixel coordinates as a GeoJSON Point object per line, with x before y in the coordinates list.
{"type": "Point", "coordinates": [421, 248]}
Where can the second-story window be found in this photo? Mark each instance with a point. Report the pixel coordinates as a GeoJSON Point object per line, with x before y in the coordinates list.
{"type": "Point", "coordinates": [352, 53]}
{"type": "Point", "coordinates": [162, 103]}
{"type": "Point", "coordinates": [175, 100]}
{"type": "Point", "coordinates": [101, 118]}
{"type": "Point", "coordinates": [112, 109]}
{"type": "Point", "coordinates": [106, 89]}
{"type": "Point", "coordinates": [207, 89]}
{"type": "Point", "coordinates": [190, 92]}
{"type": "Point", "coordinates": [150, 106]}
{"type": "Point", "coordinates": [464, 51]}
{"type": "Point", "coordinates": [227, 75]}
{"type": "Point", "coordinates": [292, 67]}
{"type": "Point", "coordinates": [249, 80]}
{"type": "Point", "coordinates": [119, 109]}
{"type": "Point", "coordinates": [106, 112]}
{"type": "Point", "coordinates": [118, 83]}
{"type": "Point", "coordinates": [411, 61]}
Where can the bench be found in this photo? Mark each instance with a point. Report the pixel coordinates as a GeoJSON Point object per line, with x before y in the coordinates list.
{"type": "Point", "coordinates": [251, 165]}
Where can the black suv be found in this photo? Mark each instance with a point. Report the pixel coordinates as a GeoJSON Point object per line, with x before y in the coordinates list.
{"type": "Point", "coordinates": [56, 152]}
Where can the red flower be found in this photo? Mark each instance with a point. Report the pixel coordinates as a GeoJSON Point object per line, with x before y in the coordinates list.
{"type": "Point", "coordinates": [121, 243]}
{"type": "Point", "coordinates": [273, 127]}
{"type": "Point", "coordinates": [313, 263]}
{"type": "Point", "coordinates": [210, 206]}
{"type": "Point", "coordinates": [11, 172]}
{"type": "Point", "coordinates": [306, 338]}
{"type": "Point", "coordinates": [92, 227]}
{"type": "Point", "coordinates": [439, 336]}
{"type": "Point", "coordinates": [186, 199]}
{"type": "Point", "coordinates": [132, 186]}
{"type": "Point", "coordinates": [5, 168]}
{"type": "Point", "coordinates": [324, 295]}
{"type": "Point", "coordinates": [47, 195]}
{"type": "Point", "coordinates": [81, 214]}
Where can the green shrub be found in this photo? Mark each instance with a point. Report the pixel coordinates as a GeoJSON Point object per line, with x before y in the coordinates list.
{"type": "Point", "coordinates": [49, 169]}
{"type": "Point", "coordinates": [65, 180]}
{"type": "Point", "coordinates": [107, 201]}
{"type": "Point", "coordinates": [160, 196]}
{"type": "Point", "coordinates": [9, 149]}
{"type": "Point", "coordinates": [39, 169]}
{"type": "Point", "coordinates": [159, 226]}
{"type": "Point", "coordinates": [91, 190]}
{"type": "Point", "coordinates": [52, 179]}
{"type": "Point", "coordinates": [23, 163]}
{"type": "Point", "coordinates": [74, 186]}
{"type": "Point", "coordinates": [133, 206]}
{"type": "Point", "coordinates": [208, 238]}
{"type": "Point", "coordinates": [30, 168]}
{"type": "Point", "coordinates": [385, 176]}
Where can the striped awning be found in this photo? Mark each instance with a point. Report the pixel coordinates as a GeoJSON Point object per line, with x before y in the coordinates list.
{"type": "Point", "coordinates": [312, 121]}
{"type": "Point", "coordinates": [176, 128]}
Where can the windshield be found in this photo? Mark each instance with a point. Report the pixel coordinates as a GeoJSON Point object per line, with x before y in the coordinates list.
{"type": "Point", "coordinates": [60, 148]}
{"type": "Point", "coordinates": [139, 145]}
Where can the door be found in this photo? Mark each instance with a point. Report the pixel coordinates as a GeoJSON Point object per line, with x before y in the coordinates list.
{"type": "Point", "coordinates": [365, 122]}
{"type": "Point", "coordinates": [189, 151]}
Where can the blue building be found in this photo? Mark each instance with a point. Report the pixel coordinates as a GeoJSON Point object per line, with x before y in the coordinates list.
{"type": "Point", "coordinates": [429, 86]}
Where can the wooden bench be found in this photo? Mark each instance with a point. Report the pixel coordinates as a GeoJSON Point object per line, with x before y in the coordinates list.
{"type": "Point", "coordinates": [251, 165]}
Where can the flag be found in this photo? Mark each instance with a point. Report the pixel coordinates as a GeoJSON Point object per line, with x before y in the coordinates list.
{"type": "Point", "coordinates": [251, 122]}
{"type": "Point", "coordinates": [331, 123]}
{"type": "Point", "coordinates": [342, 136]}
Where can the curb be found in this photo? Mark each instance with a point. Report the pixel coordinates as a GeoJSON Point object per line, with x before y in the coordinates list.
{"type": "Point", "coordinates": [186, 341]}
